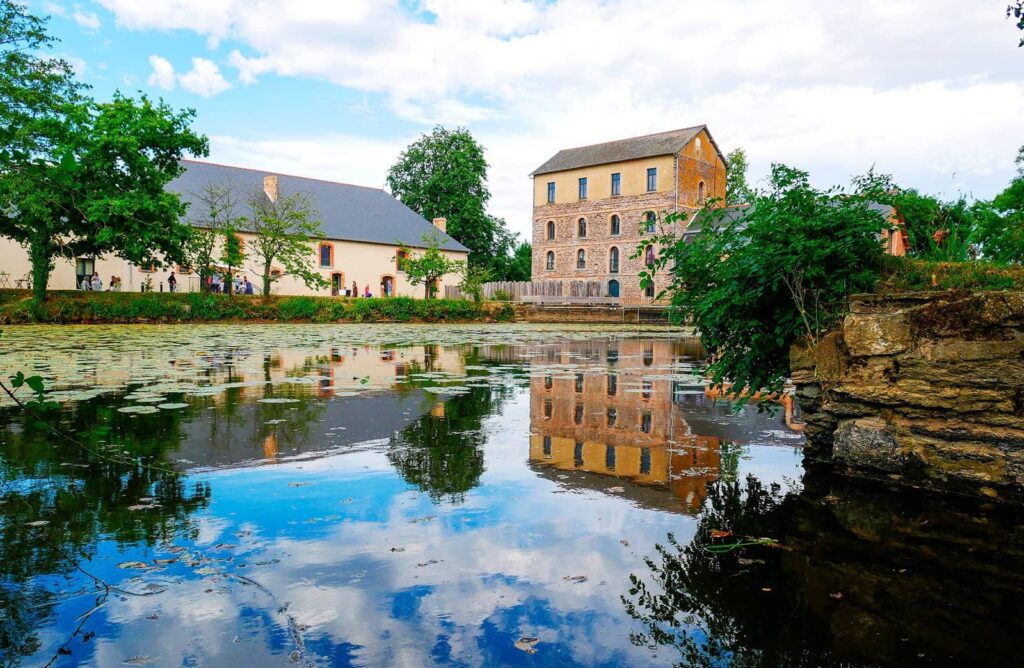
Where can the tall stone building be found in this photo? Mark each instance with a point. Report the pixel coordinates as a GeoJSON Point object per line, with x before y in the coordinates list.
{"type": "Point", "coordinates": [593, 204]}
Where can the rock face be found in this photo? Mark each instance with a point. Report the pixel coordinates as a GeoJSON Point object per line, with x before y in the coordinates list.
{"type": "Point", "coordinates": [925, 389]}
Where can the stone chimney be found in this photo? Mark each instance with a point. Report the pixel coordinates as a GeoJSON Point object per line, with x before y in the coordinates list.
{"type": "Point", "coordinates": [441, 224]}
{"type": "Point", "coordinates": [270, 186]}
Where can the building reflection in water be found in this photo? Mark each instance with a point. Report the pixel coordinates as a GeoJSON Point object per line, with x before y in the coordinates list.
{"type": "Point", "coordinates": [637, 412]}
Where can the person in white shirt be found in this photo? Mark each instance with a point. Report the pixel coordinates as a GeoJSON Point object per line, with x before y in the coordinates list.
{"type": "Point", "coordinates": [97, 282]}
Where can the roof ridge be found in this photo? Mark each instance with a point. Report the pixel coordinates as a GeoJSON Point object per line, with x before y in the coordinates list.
{"type": "Point", "coordinates": [652, 134]}
{"type": "Point", "coordinates": [274, 173]}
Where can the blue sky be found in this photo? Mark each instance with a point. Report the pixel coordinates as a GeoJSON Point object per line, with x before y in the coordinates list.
{"type": "Point", "coordinates": [929, 90]}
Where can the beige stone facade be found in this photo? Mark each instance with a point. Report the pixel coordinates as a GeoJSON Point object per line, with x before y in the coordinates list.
{"type": "Point", "coordinates": [366, 264]}
{"type": "Point", "coordinates": [688, 169]}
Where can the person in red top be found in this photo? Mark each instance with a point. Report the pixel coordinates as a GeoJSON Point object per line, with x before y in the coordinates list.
{"type": "Point", "coordinates": [366, 292]}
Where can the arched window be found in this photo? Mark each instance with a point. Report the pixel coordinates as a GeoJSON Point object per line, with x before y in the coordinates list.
{"type": "Point", "coordinates": [551, 230]}
{"type": "Point", "coordinates": [581, 228]}
{"type": "Point", "coordinates": [616, 226]}
{"type": "Point", "coordinates": [649, 255]}
{"type": "Point", "coordinates": [649, 292]}
{"type": "Point", "coordinates": [650, 219]}
{"type": "Point", "coordinates": [696, 143]}
{"type": "Point", "coordinates": [613, 260]}
{"type": "Point", "coordinates": [581, 259]}
{"type": "Point", "coordinates": [613, 288]}
{"type": "Point", "coordinates": [551, 260]}
{"type": "Point", "coordinates": [700, 193]}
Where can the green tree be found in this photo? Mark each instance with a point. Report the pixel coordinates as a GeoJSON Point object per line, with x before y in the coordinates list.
{"type": "Point", "coordinates": [473, 279]}
{"type": "Point", "coordinates": [97, 187]}
{"type": "Point", "coordinates": [736, 189]}
{"type": "Point", "coordinates": [444, 175]}
{"type": "Point", "coordinates": [35, 91]}
{"type": "Point", "coordinates": [232, 257]}
{"type": "Point", "coordinates": [1000, 232]}
{"type": "Point", "coordinates": [215, 216]}
{"type": "Point", "coordinates": [284, 229]}
{"type": "Point", "coordinates": [753, 282]}
{"type": "Point", "coordinates": [430, 266]}
{"type": "Point", "coordinates": [520, 265]}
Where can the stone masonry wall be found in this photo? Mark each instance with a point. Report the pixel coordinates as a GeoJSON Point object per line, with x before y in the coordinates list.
{"type": "Point", "coordinates": [924, 389]}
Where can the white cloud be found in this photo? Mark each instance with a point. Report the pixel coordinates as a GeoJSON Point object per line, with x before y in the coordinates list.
{"type": "Point", "coordinates": [54, 9]}
{"type": "Point", "coordinates": [922, 88]}
{"type": "Point", "coordinates": [87, 20]}
{"type": "Point", "coordinates": [163, 73]}
{"type": "Point", "coordinates": [204, 78]}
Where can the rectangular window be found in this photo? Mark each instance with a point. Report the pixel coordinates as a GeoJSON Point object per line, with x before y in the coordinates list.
{"type": "Point", "coordinates": [325, 255]}
{"type": "Point", "coordinates": [652, 179]}
{"type": "Point", "coordinates": [616, 184]}
{"type": "Point", "coordinates": [551, 192]}
{"type": "Point", "coordinates": [400, 257]}
{"type": "Point", "coordinates": [583, 188]}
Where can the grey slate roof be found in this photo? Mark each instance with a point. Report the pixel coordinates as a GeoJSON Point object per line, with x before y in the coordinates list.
{"type": "Point", "coordinates": [647, 146]}
{"type": "Point", "coordinates": [346, 212]}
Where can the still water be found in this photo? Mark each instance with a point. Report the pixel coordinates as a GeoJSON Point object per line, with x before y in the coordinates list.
{"type": "Point", "coordinates": [464, 495]}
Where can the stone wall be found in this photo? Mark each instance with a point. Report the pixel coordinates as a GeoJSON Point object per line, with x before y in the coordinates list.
{"type": "Point", "coordinates": [924, 389]}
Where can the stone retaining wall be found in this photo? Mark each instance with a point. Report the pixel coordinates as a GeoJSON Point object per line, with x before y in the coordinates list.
{"type": "Point", "coordinates": [926, 389]}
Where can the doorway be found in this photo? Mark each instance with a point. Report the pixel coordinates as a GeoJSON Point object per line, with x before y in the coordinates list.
{"type": "Point", "coordinates": [613, 288]}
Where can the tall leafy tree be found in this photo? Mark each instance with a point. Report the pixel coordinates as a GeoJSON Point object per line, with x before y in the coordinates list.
{"type": "Point", "coordinates": [97, 186]}
{"type": "Point", "coordinates": [284, 229]}
{"type": "Point", "coordinates": [444, 175]}
{"type": "Point", "coordinates": [737, 191]}
{"type": "Point", "coordinates": [430, 266]}
{"type": "Point", "coordinates": [232, 256]}
{"type": "Point", "coordinates": [1000, 231]}
{"type": "Point", "coordinates": [215, 216]}
{"type": "Point", "coordinates": [78, 177]}
{"type": "Point", "coordinates": [35, 90]}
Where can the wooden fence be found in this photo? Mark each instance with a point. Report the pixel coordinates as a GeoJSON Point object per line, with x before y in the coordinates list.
{"type": "Point", "coordinates": [538, 291]}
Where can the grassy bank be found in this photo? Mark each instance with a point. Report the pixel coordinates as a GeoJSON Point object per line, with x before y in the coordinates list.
{"type": "Point", "coordinates": [127, 307]}
{"type": "Point", "coordinates": [901, 274]}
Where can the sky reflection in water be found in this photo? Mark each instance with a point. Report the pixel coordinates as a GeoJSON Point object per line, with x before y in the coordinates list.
{"type": "Point", "coordinates": [377, 496]}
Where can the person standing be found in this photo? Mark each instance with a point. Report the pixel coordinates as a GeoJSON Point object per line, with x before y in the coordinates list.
{"type": "Point", "coordinates": [215, 284]}
{"type": "Point", "coordinates": [97, 282]}
{"type": "Point", "coordinates": [366, 292]}
{"type": "Point", "coordinates": [172, 283]}
{"type": "Point", "coordinates": [355, 289]}
{"type": "Point", "coordinates": [246, 285]}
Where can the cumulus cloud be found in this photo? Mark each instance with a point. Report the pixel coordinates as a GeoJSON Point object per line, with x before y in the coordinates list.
{"type": "Point", "coordinates": [204, 78]}
{"type": "Point", "coordinates": [163, 73]}
{"type": "Point", "coordinates": [923, 88]}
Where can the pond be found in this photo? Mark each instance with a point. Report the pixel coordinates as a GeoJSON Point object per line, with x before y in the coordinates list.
{"type": "Point", "coordinates": [460, 495]}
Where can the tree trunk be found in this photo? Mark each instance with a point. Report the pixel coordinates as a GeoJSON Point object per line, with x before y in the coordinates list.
{"type": "Point", "coordinates": [42, 265]}
{"type": "Point", "coordinates": [266, 279]}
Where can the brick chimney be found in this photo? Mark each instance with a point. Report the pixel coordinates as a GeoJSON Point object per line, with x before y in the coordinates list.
{"type": "Point", "coordinates": [441, 224]}
{"type": "Point", "coordinates": [270, 186]}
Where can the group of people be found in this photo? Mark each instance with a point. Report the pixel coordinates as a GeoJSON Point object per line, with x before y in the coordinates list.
{"type": "Point", "coordinates": [95, 283]}
{"type": "Point", "coordinates": [216, 284]}
{"type": "Point", "coordinates": [337, 292]}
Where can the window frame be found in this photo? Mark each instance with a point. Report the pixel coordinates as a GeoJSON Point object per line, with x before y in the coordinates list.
{"type": "Point", "coordinates": [581, 228]}
{"type": "Point", "coordinates": [581, 258]}
{"type": "Point", "coordinates": [552, 192]}
{"type": "Point", "coordinates": [616, 184]}
{"type": "Point", "coordinates": [551, 230]}
{"type": "Point", "coordinates": [615, 225]}
{"type": "Point", "coordinates": [583, 188]}
{"type": "Point", "coordinates": [549, 261]}
{"type": "Point", "coordinates": [613, 260]}
{"type": "Point", "coordinates": [652, 178]}
{"type": "Point", "coordinates": [329, 247]}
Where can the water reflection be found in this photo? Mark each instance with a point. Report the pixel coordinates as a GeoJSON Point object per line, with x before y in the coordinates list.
{"type": "Point", "coordinates": [434, 499]}
{"type": "Point", "coordinates": [640, 412]}
{"type": "Point", "coordinates": [860, 576]}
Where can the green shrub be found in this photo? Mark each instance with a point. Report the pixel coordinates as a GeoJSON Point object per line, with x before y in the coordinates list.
{"type": "Point", "coordinates": [502, 296]}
